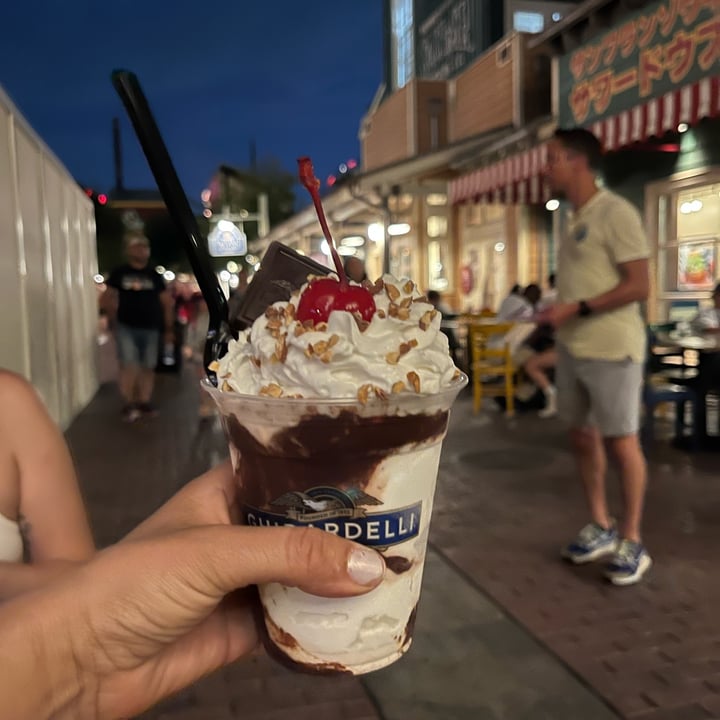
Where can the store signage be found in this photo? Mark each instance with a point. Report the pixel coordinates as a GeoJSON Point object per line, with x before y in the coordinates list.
{"type": "Point", "coordinates": [448, 40]}
{"type": "Point", "coordinates": [227, 240]}
{"type": "Point", "coordinates": [668, 44]}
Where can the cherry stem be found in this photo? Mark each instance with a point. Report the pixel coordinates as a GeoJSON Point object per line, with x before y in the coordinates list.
{"type": "Point", "coordinates": [311, 184]}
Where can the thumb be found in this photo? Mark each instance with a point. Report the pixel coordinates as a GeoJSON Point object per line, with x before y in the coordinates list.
{"type": "Point", "coordinates": [318, 562]}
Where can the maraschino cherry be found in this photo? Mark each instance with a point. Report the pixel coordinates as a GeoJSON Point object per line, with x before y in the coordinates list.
{"type": "Point", "coordinates": [323, 295]}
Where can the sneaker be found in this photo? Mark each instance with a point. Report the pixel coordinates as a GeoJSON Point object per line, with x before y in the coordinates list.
{"type": "Point", "coordinates": [130, 414]}
{"type": "Point", "coordinates": [148, 409]}
{"type": "Point", "coordinates": [592, 542]}
{"type": "Point", "coordinates": [550, 409]}
{"type": "Point", "coordinates": [629, 563]}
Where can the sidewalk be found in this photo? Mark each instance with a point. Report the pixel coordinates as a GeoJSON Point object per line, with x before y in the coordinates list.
{"type": "Point", "coordinates": [507, 500]}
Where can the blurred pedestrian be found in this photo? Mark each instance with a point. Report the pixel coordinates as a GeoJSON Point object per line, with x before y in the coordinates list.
{"type": "Point", "coordinates": [446, 317]}
{"type": "Point", "coordinates": [519, 306]}
{"type": "Point", "coordinates": [140, 306]}
{"type": "Point", "coordinates": [355, 269]}
{"type": "Point", "coordinates": [194, 351]}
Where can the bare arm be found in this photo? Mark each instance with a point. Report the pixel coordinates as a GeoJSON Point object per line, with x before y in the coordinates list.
{"type": "Point", "coordinates": [168, 307]}
{"type": "Point", "coordinates": [51, 512]}
{"type": "Point", "coordinates": [109, 303]}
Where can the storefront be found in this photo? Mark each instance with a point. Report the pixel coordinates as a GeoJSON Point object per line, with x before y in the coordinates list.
{"type": "Point", "coordinates": [503, 226]}
{"type": "Point", "coordinates": [650, 90]}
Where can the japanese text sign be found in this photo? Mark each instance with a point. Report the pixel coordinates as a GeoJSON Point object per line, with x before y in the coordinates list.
{"type": "Point", "coordinates": [666, 44]}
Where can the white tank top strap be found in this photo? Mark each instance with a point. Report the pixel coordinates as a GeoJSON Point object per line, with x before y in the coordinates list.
{"type": "Point", "coordinates": [11, 544]}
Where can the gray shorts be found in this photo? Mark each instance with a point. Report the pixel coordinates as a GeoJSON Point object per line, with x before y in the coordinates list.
{"type": "Point", "coordinates": [137, 346]}
{"type": "Point", "coordinates": [599, 393]}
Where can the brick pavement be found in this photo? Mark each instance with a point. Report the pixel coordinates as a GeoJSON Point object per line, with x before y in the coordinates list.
{"type": "Point", "coordinates": [508, 499]}
{"type": "Point", "coordinates": [127, 471]}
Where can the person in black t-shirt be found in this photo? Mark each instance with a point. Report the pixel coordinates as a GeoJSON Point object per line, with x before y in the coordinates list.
{"type": "Point", "coordinates": [141, 305]}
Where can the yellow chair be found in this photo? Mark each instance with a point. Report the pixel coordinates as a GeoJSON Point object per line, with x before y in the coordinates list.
{"type": "Point", "coordinates": [491, 357]}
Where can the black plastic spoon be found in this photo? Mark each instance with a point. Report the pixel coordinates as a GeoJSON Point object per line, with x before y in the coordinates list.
{"type": "Point", "coordinates": [128, 88]}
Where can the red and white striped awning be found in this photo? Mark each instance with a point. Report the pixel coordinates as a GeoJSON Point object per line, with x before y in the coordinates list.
{"type": "Point", "coordinates": [514, 180]}
{"type": "Point", "coordinates": [518, 179]}
{"type": "Point", "coordinates": [688, 105]}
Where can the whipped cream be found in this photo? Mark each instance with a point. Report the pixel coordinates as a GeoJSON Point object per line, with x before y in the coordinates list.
{"type": "Point", "coordinates": [400, 350]}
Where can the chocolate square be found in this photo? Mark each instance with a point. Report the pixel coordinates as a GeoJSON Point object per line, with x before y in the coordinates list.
{"type": "Point", "coordinates": [282, 271]}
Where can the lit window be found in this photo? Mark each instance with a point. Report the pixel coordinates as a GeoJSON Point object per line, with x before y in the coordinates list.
{"type": "Point", "coordinates": [528, 22]}
{"type": "Point", "coordinates": [403, 50]}
{"type": "Point", "coordinates": [437, 226]}
{"type": "Point", "coordinates": [436, 199]}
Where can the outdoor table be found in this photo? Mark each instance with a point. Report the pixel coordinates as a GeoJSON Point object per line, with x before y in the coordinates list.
{"type": "Point", "coordinates": [707, 348]}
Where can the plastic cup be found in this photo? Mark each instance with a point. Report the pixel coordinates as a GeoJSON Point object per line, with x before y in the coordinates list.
{"type": "Point", "coordinates": [365, 472]}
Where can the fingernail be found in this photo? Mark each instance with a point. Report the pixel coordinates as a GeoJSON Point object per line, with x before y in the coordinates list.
{"type": "Point", "coordinates": [365, 566]}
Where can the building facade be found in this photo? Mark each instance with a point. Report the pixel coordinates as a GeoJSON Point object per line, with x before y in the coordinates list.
{"type": "Point", "coordinates": [644, 76]}
{"type": "Point", "coordinates": [649, 87]}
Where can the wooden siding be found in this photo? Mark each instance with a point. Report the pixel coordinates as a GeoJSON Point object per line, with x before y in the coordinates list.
{"type": "Point", "coordinates": [387, 133]}
{"type": "Point", "coordinates": [483, 96]}
{"type": "Point", "coordinates": [431, 99]}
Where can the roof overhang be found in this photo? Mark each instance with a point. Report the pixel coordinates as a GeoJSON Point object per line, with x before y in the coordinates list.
{"type": "Point", "coordinates": [365, 192]}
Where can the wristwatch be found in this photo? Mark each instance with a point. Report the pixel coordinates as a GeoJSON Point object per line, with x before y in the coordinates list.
{"type": "Point", "coordinates": [584, 309]}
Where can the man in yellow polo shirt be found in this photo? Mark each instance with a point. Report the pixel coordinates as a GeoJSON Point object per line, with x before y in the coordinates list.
{"type": "Point", "coordinates": [602, 277]}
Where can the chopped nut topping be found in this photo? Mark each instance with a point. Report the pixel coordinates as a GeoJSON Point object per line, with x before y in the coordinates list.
{"type": "Point", "coordinates": [274, 323]}
{"type": "Point", "coordinates": [309, 352]}
{"type": "Point", "coordinates": [281, 349]}
{"type": "Point", "coordinates": [321, 327]}
{"type": "Point", "coordinates": [393, 358]}
{"type": "Point", "coordinates": [408, 287]}
{"type": "Point", "coordinates": [272, 390]}
{"type": "Point", "coordinates": [403, 314]}
{"type": "Point", "coordinates": [320, 347]}
{"type": "Point", "coordinates": [405, 348]}
{"type": "Point", "coordinates": [414, 380]}
{"type": "Point", "coordinates": [226, 387]}
{"type": "Point", "coordinates": [364, 394]}
{"type": "Point", "coordinates": [381, 314]}
{"type": "Point", "coordinates": [308, 324]}
{"type": "Point", "coordinates": [290, 311]}
{"type": "Point", "coordinates": [406, 302]}
{"type": "Point", "coordinates": [421, 299]}
{"type": "Point", "coordinates": [299, 330]}
{"type": "Point", "coordinates": [363, 325]}
{"type": "Point", "coordinates": [380, 394]}
{"type": "Point", "coordinates": [456, 374]}
{"type": "Point", "coordinates": [326, 357]}
{"type": "Point", "coordinates": [272, 312]}
{"type": "Point", "coordinates": [214, 366]}
{"type": "Point", "coordinates": [426, 319]}
{"type": "Point", "coordinates": [334, 340]}
{"type": "Point", "coordinates": [377, 287]}
{"type": "Point", "coordinates": [398, 387]}
{"type": "Point", "coordinates": [256, 361]}
{"type": "Point", "coordinates": [392, 292]}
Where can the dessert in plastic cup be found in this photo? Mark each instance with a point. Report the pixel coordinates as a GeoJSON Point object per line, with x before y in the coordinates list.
{"type": "Point", "coordinates": [338, 423]}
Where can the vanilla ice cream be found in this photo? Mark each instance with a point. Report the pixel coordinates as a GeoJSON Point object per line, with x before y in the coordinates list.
{"type": "Point", "coordinates": [339, 425]}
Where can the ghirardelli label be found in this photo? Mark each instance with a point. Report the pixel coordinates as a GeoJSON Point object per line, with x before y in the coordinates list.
{"type": "Point", "coordinates": [343, 512]}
